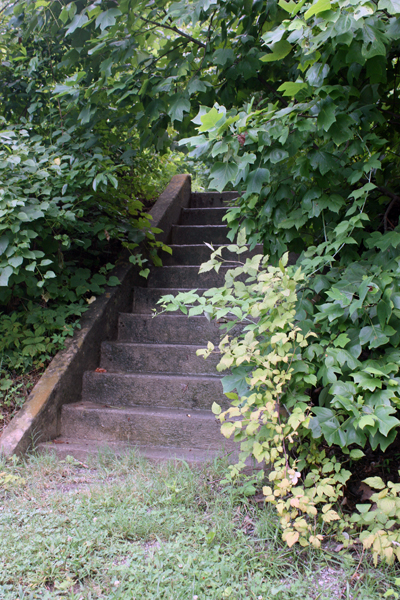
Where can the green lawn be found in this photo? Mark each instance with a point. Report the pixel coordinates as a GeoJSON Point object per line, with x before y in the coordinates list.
{"type": "Point", "coordinates": [126, 528]}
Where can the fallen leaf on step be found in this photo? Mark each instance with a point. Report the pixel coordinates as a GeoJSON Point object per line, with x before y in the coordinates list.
{"type": "Point", "coordinates": [98, 370]}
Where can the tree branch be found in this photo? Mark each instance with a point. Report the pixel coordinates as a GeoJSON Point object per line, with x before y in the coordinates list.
{"type": "Point", "coordinates": [172, 28]}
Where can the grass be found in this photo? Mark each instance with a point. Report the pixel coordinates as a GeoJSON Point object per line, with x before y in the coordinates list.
{"type": "Point", "coordinates": [128, 529]}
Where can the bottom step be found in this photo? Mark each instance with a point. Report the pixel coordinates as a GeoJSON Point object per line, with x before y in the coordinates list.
{"type": "Point", "coordinates": [81, 450]}
{"type": "Point", "coordinates": [143, 426]}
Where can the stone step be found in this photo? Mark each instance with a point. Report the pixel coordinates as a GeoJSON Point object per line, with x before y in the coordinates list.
{"type": "Point", "coordinates": [185, 277]}
{"type": "Point", "coordinates": [208, 199]}
{"type": "Point", "coordinates": [198, 234]}
{"type": "Point", "coordinates": [167, 329]}
{"type": "Point", "coordinates": [117, 357]}
{"type": "Point", "coordinates": [144, 426]}
{"type": "Point", "coordinates": [145, 299]}
{"type": "Point", "coordinates": [202, 216]}
{"type": "Point", "coordinates": [82, 450]}
{"type": "Point", "coordinates": [196, 254]}
{"type": "Point", "coordinates": [157, 390]}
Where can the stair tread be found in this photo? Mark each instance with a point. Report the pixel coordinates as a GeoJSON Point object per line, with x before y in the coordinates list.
{"type": "Point", "coordinates": [151, 374]}
{"type": "Point", "coordinates": [174, 413]}
{"type": "Point", "coordinates": [145, 345]}
{"type": "Point", "coordinates": [202, 227]}
{"type": "Point", "coordinates": [82, 449]}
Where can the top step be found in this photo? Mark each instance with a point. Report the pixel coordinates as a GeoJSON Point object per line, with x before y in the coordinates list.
{"type": "Point", "coordinates": [202, 216]}
{"type": "Point", "coordinates": [211, 199]}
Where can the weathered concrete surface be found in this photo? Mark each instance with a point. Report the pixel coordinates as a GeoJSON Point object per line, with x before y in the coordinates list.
{"type": "Point", "coordinates": [39, 419]}
{"type": "Point", "coordinates": [202, 216]}
{"type": "Point", "coordinates": [167, 209]}
{"type": "Point", "coordinates": [195, 254]}
{"type": "Point", "coordinates": [153, 390]}
{"type": "Point", "coordinates": [145, 299]}
{"type": "Point", "coordinates": [118, 357]}
{"type": "Point", "coordinates": [167, 329]}
{"type": "Point", "coordinates": [186, 276]}
{"type": "Point", "coordinates": [212, 199]}
{"type": "Point", "coordinates": [82, 450]}
{"type": "Point", "coordinates": [174, 427]}
{"type": "Point", "coordinates": [199, 234]}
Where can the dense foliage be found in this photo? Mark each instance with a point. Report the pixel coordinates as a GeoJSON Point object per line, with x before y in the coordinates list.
{"type": "Point", "coordinates": [318, 171]}
{"type": "Point", "coordinates": [319, 178]}
{"type": "Point", "coordinates": [296, 106]}
{"type": "Point", "coordinates": [70, 200]}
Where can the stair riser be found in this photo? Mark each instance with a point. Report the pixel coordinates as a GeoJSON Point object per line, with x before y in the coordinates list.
{"type": "Point", "coordinates": [200, 253]}
{"type": "Point", "coordinates": [154, 358]}
{"type": "Point", "coordinates": [202, 216]}
{"type": "Point", "coordinates": [211, 199]}
{"type": "Point", "coordinates": [185, 277]}
{"type": "Point", "coordinates": [148, 429]}
{"type": "Point", "coordinates": [167, 330]}
{"type": "Point", "coordinates": [153, 391]}
{"type": "Point", "coordinates": [145, 299]}
{"type": "Point", "coordinates": [193, 234]}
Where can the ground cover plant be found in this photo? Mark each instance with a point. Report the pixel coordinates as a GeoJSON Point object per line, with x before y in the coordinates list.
{"type": "Point", "coordinates": [117, 528]}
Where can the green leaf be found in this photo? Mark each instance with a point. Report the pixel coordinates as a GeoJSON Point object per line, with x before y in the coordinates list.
{"type": "Point", "coordinates": [279, 51]}
{"type": "Point", "coordinates": [366, 381]}
{"type": "Point", "coordinates": [197, 85]}
{"type": "Point", "coordinates": [384, 312]}
{"type": "Point", "coordinates": [210, 119]}
{"type": "Point", "coordinates": [291, 7]}
{"type": "Point", "coordinates": [77, 22]}
{"type": "Point", "coordinates": [15, 261]}
{"type": "Point", "coordinates": [113, 281]}
{"type": "Point", "coordinates": [375, 482]}
{"type": "Point", "coordinates": [318, 7]}
{"type": "Point", "coordinates": [391, 6]}
{"type": "Point", "coordinates": [223, 55]}
{"type": "Point", "coordinates": [107, 18]}
{"type": "Point", "coordinates": [216, 409]}
{"type": "Point", "coordinates": [383, 241]}
{"type": "Point", "coordinates": [326, 116]}
{"type": "Point", "coordinates": [256, 180]}
{"type": "Point", "coordinates": [356, 454]}
{"type": "Point", "coordinates": [291, 88]}
{"type": "Point", "coordinates": [373, 336]}
{"type": "Point", "coordinates": [49, 275]}
{"type": "Point", "coordinates": [179, 105]}
{"type": "Point", "coordinates": [385, 421]}
{"type": "Point", "coordinates": [4, 241]}
{"type": "Point", "coordinates": [323, 161]}
{"type": "Point", "coordinates": [222, 174]}
{"type": "Point", "coordinates": [5, 275]}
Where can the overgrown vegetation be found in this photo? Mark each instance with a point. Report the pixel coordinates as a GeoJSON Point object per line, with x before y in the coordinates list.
{"type": "Point", "coordinates": [297, 108]}
{"type": "Point", "coordinates": [70, 200]}
{"type": "Point", "coordinates": [318, 168]}
{"type": "Point", "coordinates": [117, 528]}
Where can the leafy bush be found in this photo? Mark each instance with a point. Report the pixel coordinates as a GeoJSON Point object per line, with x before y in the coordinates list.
{"type": "Point", "coordinates": [316, 177]}
{"type": "Point", "coordinates": [272, 416]}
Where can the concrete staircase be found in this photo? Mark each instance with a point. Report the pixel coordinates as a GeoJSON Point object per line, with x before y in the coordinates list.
{"type": "Point", "coordinates": [151, 391]}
